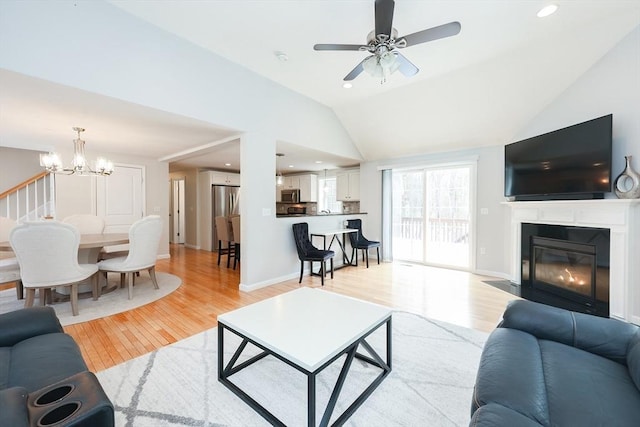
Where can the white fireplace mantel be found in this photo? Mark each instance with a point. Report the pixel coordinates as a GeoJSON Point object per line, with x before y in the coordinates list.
{"type": "Point", "coordinates": [621, 217]}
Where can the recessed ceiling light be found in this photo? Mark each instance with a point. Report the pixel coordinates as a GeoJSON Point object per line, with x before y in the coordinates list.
{"type": "Point", "coordinates": [347, 85]}
{"type": "Point", "coordinates": [547, 10]}
{"type": "Point", "coordinates": [318, 162]}
{"type": "Point", "coordinates": [290, 166]}
{"type": "Point", "coordinates": [227, 164]}
{"type": "Point", "coordinates": [282, 57]}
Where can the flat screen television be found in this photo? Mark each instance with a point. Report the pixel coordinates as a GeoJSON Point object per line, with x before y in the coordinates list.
{"type": "Point", "coordinates": [569, 163]}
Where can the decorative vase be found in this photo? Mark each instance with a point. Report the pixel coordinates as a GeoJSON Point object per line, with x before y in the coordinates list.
{"type": "Point", "coordinates": [627, 184]}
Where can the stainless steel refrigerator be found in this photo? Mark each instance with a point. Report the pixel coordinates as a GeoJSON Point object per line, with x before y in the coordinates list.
{"type": "Point", "coordinates": [225, 201]}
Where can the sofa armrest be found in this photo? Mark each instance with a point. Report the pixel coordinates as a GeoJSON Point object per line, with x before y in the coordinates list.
{"type": "Point", "coordinates": [13, 407]}
{"type": "Point", "coordinates": [20, 325]}
{"type": "Point", "coordinates": [609, 338]}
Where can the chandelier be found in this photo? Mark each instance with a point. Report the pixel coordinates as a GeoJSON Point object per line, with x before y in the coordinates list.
{"type": "Point", "coordinates": [53, 163]}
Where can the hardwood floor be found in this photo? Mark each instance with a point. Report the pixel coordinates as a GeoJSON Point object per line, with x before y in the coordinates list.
{"type": "Point", "coordinates": [208, 290]}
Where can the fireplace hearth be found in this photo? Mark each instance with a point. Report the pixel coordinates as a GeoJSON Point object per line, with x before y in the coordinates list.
{"type": "Point", "coordinates": [566, 266]}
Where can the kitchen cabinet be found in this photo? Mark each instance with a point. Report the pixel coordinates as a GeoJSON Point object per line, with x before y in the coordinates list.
{"type": "Point", "coordinates": [224, 178]}
{"type": "Point", "coordinates": [309, 188]}
{"type": "Point", "coordinates": [348, 186]}
{"type": "Point", "coordinates": [307, 184]}
{"type": "Point", "coordinates": [291, 183]}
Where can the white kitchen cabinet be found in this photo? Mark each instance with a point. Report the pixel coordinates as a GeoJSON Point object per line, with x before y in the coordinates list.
{"type": "Point", "coordinates": [348, 186]}
{"type": "Point", "coordinates": [224, 178]}
{"type": "Point", "coordinates": [309, 188]}
{"type": "Point", "coordinates": [291, 183]}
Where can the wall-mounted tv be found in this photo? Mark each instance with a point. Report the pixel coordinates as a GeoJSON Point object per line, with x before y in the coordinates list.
{"type": "Point", "coordinates": [569, 163]}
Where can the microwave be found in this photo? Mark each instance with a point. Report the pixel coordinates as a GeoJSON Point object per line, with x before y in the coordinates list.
{"type": "Point", "coordinates": [290, 196]}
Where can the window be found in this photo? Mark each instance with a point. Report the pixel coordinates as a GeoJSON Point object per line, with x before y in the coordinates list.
{"type": "Point", "coordinates": [327, 195]}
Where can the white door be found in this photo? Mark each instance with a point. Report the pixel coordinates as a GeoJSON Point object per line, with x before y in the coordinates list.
{"type": "Point", "coordinates": [120, 198]}
{"type": "Point", "coordinates": [178, 212]}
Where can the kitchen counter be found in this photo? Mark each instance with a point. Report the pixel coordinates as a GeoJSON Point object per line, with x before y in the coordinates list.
{"type": "Point", "coordinates": [319, 214]}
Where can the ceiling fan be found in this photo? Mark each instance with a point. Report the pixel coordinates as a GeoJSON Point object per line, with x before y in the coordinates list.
{"type": "Point", "coordinates": [383, 44]}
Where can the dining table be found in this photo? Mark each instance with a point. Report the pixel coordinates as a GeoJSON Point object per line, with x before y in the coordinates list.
{"type": "Point", "coordinates": [334, 234]}
{"type": "Point", "coordinates": [88, 251]}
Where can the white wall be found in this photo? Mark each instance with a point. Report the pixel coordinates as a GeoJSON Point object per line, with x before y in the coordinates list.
{"type": "Point", "coordinates": [489, 183]}
{"type": "Point", "coordinates": [612, 85]}
{"type": "Point", "coordinates": [95, 46]}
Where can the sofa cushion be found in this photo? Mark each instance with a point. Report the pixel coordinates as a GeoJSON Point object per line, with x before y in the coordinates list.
{"type": "Point", "coordinates": [512, 358]}
{"type": "Point", "coordinates": [492, 415]}
{"type": "Point", "coordinates": [586, 389]}
{"type": "Point", "coordinates": [5, 357]}
{"type": "Point", "coordinates": [43, 360]}
{"type": "Point", "coordinates": [606, 337]}
{"type": "Point", "coordinates": [633, 359]}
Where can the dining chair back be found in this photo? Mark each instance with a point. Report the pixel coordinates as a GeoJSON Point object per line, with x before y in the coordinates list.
{"type": "Point", "coordinates": [358, 241]}
{"type": "Point", "coordinates": [224, 239]}
{"type": "Point", "coordinates": [86, 224]}
{"type": "Point", "coordinates": [9, 267]}
{"type": "Point", "coordinates": [47, 252]}
{"type": "Point", "coordinates": [235, 226]}
{"type": "Point", "coordinates": [308, 252]}
{"type": "Point", "coordinates": [144, 238]}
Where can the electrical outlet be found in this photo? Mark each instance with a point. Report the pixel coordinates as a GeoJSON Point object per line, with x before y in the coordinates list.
{"type": "Point", "coordinates": [266, 212]}
{"type": "Point", "coordinates": [484, 211]}
{"type": "Point", "coordinates": [483, 251]}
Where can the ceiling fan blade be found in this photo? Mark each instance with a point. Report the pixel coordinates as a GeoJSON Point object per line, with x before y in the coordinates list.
{"type": "Point", "coordinates": [406, 67]}
{"type": "Point", "coordinates": [355, 72]}
{"type": "Point", "coordinates": [337, 47]}
{"type": "Point", "coordinates": [384, 16]}
{"type": "Point", "coordinates": [435, 33]}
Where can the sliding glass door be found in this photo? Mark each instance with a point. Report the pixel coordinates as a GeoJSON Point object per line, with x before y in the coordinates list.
{"type": "Point", "coordinates": [432, 215]}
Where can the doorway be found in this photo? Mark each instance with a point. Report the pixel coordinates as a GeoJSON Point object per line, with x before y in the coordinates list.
{"type": "Point", "coordinates": [431, 215]}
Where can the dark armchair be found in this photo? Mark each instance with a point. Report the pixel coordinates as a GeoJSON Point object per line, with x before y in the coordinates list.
{"type": "Point", "coordinates": [308, 252]}
{"type": "Point", "coordinates": [358, 241]}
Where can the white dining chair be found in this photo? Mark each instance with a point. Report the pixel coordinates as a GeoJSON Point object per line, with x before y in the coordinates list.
{"type": "Point", "coordinates": [86, 224]}
{"type": "Point", "coordinates": [47, 252]}
{"type": "Point", "coordinates": [144, 238]}
{"type": "Point", "coordinates": [9, 267]}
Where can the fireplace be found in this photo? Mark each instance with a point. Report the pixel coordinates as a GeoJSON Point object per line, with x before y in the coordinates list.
{"type": "Point", "coordinates": [566, 266]}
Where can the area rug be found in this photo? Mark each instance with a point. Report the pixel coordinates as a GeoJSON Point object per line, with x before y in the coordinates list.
{"type": "Point", "coordinates": [108, 304]}
{"type": "Point", "coordinates": [431, 384]}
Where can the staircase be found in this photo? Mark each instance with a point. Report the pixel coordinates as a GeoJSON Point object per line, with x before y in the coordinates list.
{"type": "Point", "coordinates": [31, 200]}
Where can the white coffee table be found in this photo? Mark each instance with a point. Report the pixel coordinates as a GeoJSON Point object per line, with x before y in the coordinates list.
{"type": "Point", "coordinates": [308, 329]}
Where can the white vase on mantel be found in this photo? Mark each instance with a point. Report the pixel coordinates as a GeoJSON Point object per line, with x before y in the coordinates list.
{"type": "Point", "coordinates": [627, 184]}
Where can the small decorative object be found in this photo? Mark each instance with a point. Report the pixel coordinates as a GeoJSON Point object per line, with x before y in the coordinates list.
{"type": "Point", "coordinates": [627, 184]}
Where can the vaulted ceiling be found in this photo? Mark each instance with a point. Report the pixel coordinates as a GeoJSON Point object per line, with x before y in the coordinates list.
{"type": "Point", "coordinates": [474, 89]}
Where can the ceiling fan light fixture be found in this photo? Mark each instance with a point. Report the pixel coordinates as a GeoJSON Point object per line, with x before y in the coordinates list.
{"type": "Point", "coordinates": [347, 85]}
{"type": "Point", "coordinates": [381, 66]}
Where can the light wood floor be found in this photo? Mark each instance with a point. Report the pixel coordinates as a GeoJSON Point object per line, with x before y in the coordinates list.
{"type": "Point", "coordinates": [208, 290]}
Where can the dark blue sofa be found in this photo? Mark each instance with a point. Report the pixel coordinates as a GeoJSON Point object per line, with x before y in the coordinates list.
{"type": "Point", "coordinates": [545, 366]}
{"type": "Point", "coordinates": [43, 377]}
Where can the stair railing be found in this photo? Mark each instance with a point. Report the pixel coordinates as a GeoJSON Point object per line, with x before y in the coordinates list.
{"type": "Point", "coordinates": [30, 200]}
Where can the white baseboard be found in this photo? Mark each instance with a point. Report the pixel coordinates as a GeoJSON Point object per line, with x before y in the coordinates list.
{"type": "Point", "coordinates": [497, 274]}
{"type": "Point", "coordinates": [163, 256]}
{"type": "Point", "coordinates": [187, 245]}
{"type": "Point", "coordinates": [264, 284]}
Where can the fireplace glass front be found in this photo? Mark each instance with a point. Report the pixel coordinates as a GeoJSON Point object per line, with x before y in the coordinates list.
{"type": "Point", "coordinates": [566, 266]}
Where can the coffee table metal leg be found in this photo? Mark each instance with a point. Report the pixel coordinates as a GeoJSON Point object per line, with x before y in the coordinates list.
{"type": "Point", "coordinates": [311, 399]}
{"type": "Point", "coordinates": [224, 372]}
